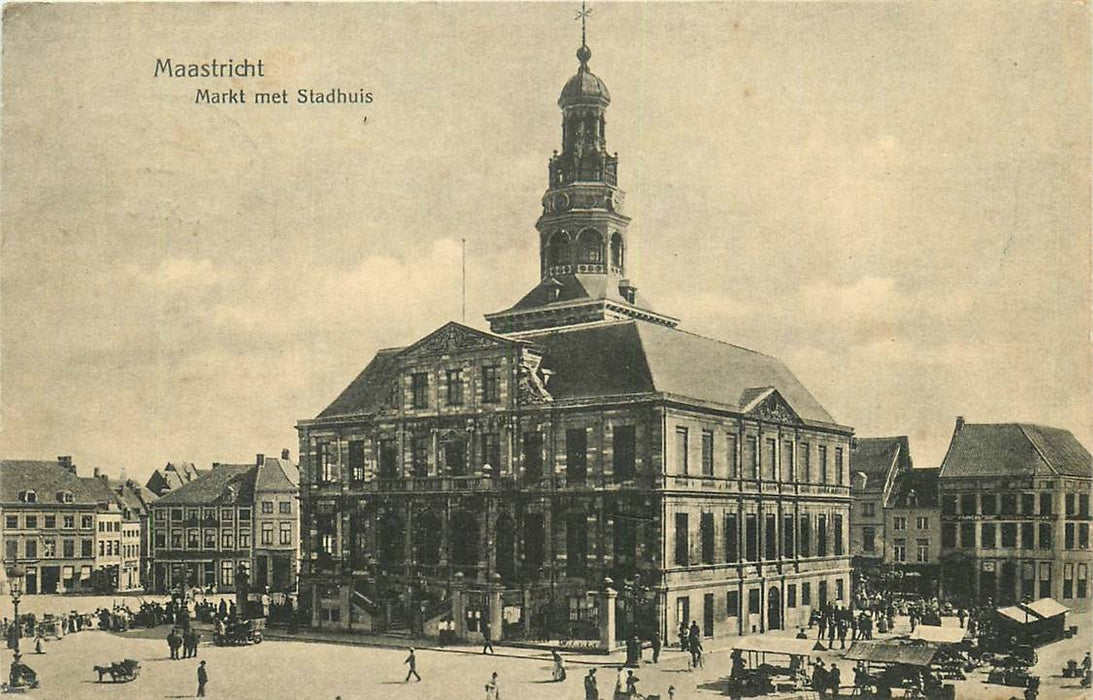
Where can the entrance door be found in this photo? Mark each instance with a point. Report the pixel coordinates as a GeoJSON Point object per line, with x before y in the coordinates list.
{"type": "Point", "coordinates": [683, 611]}
{"type": "Point", "coordinates": [707, 615]}
{"type": "Point", "coordinates": [774, 609]}
{"type": "Point", "coordinates": [51, 576]}
{"type": "Point", "coordinates": [32, 581]}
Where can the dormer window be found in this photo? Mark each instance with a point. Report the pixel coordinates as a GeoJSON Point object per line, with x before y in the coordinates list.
{"type": "Point", "coordinates": [65, 497]}
{"type": "Point", "coordinates": [28, 496]}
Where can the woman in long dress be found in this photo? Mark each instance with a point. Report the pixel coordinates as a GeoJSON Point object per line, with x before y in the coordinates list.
{"type": "Point", "coordinates": [559, 667]}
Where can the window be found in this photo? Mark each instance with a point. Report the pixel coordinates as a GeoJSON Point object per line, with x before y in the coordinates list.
{"type": "Point", "coordinates": [193, 514]}
{"type": "Point", "coordinates": [267, 507]}
{"type": "Point", "coordinates": [770, 537]}
{"type": "Point", "coordinates": [707, 531]}
{"type": "Point", "coordinates": [1083, 580]}
{"type": "Point", "coordinates": [791, 595]}
{"type": "Point", "coordinates": [193, 541]}
{"type": "Point", "coordinates": [11, 522]}
{"type": "Point", "coordinates": [68, 522]}
{"type": "Point", "coordinates": [732, 604]}
{"type": "Point", "coordinates": [988, 536]}
{"type": "Point", "coordinates": [899, 549]}
{"type": "Point", "coordinates": [751, 457]}
{"type": "Point", "coordinates": [730, 456]}
{"type": "Point", "coordinates": [1009, 534]}
{"type": "Point", "coordinates": [1083, 505]}
{"type": "Point", "coordinates": [840, 591]}
{"type": "Point", "coordinates": [806, 475]}
{"type": "Point", "coordinates": [989, 503]}
{"type": "Point", "coordinates": [267, 533]}
{"type": "Point", "coordinates": [624, 451]}
{"type": "Point", "coordinates": [1046, 503]}
{"type": "Point", "coordinates": [1045, 579]}
{"type": "Point", "coordinates": [838, 535]}
{"type": "Point", "coordinates": [948, 535]}
{"type": "Point", "coordinates": [707, 453]}
{"type": "Point", "coordinates": [821, 535]}
{"type": "Point", "coordinates": [732, 538]}
{"type": "Point", "coordinates": [29, 497]}
{"type": "Point", "coordinates": [87, 547]}
{"type": "Point", "coordinates": [32, 522]}
{"type": "Point", "coordinates": [681, 450]}
{"type": "Point", "coordinates": [388, 459]}
{"type": "Point", "coordinates": [751, 537]}
{"type": "Point", "coordinates": [1083, 535]}
{"type": "Point", "coordinates": [533, 456]}
{"type": "Point", "coordinates": [1071, 506]}
{"type": "Point", "coordinates": [1028, 504]}
{"type": "Point", "coordinates": [923, 547]}
{"type": "Point", "coordinates": [868, 510]}
{"type": "Point", "coordinates": [176, 539]}
{"type": "Point", "coordinates": [286, 533]}
{"type": "Point", "coordinates": [210, 539]}
{"type": "Point", "coordinates": [356, 462]}
{"type": "Point", "coordinates": [823, 465]}
{"type": "Point", "coordinates": [1046, 536]}
{"type": "Point", "coordinates": [753, 601]}
{"type": "Point", "coordinates": [787, 537]}
{"type": "Point", "coordinates": [948, 505]}
{"type": "Point", "coordinates": [244, 539]}
{"type": "Point", "coordinates": [454, 385]}
{"type": "Point", "coordinates": [1068, 536]}
{"type": "Point", "coordinates": [419, 390]}
{"type": "Point", "coordinates": [419, 455]}
{"type": "Point", "coordinates": [922, 522]}
{"type": "Point", "coordinates": [1068, 580]}
{"type": "Point", "coordinates": [789, 466]}
{"type": "Point", "coordinates": [227, 574]}
{"type": "Point", "coordinates": [226, 515]}
{"type": "Point", "coordinates": [491, 384]}
{"type": "Point", "coordinates": [226, 540]}
{"type": "Point", "coordinates": [491, 450]}
{"type": "Point", "coordinates": [1028, 536]}
{"type": "Point", "coordinates": [868, 539]}
{"type": "Point", "coordinates": [49, 548]}
{"type": "Point", "coordinates": [285, 507]}
{"type": "Point", "coordinates": [839, 471]}
{"type": "Point", "coordinates": [682, 540]}
{"type": "Point", "coordinates": [806, 544]}
{"type": "Point", "coordinates": [576, 535]}
{"type": "Point", "coordinates": [68, 549]}
{"type": "Point", "coordinates": [770, 463]}
{"type": "Point", "coordinates": [806, 593]}
{"type": "Point", "coordinates": [326, 469]}
{"type": "Point", "coordinates": [967, 535]}
{"type": "Point", "coordinates": [967, 503]}
{"type": "Point", "coordinates": [899, 523]}
{"type": "Point", "coordinates": [176, 514]}
{"type": "Point", "coordinates": [50, 522]}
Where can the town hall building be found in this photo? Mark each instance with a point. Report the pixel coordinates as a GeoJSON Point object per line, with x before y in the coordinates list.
{"type": "Point", "coordinates": [582, 450]}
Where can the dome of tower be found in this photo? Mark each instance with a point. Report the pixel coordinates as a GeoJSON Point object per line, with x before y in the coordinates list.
{"type": "Point", "coordinates": [584, 87]}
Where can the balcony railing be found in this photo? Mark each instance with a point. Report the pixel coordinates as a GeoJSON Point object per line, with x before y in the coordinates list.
{"type": "Point", "coordinates": [436, 484]}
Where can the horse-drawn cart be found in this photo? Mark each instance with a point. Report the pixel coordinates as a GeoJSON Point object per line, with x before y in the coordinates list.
{"type": "Point", "coordinates": [240, 632]}
{"type": "Point", "coordinates": [119, 671]}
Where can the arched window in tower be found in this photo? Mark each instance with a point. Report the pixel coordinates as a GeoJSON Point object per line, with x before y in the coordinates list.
{"type": "Point", "coordinates": [558, 250]}
{"type": "Point", "coordinates": [617, 251]}
{"type": "Point", "coordinates": [590, 243]}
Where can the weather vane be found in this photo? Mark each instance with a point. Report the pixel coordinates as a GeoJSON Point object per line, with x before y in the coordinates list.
{"type": "Point", "coordinates": [582, 15]}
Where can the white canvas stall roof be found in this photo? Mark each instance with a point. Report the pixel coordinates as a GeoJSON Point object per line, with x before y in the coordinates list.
{"type": "Point", "coordinates": [1014, 613]}
{"type": "Point", "coordinates": [939, 635]}
{"type": "Point", "coordinates": [1047, 607]}
{"type": "Point", "coordinates": [775, 645]}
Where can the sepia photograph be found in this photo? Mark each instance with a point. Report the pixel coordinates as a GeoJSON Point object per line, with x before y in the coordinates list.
{"type": "Point", "coordinates": [546, 350]}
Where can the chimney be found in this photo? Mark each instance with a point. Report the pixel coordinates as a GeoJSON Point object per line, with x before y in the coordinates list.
{"type": "Point", "coordinates": [959, 423]}
{"type": "Point", "coordinates": [66, 463]}
{"type": "Point", "coordinates": [259, 459]}
{"type": "Point", "coordinates": [95, 472]}
{"type": "Point", "coordinates": [284, 455]}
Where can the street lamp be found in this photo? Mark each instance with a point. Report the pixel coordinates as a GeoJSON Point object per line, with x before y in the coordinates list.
{"type": "Point", "coordinates": [15, 584]}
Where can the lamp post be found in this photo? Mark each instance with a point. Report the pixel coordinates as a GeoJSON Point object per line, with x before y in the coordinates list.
{"type": "Point", "coordinates": [15, 583]}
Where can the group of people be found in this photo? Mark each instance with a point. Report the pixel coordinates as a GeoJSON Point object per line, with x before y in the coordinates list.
{"type": "Point", "coordinates": [690, 640]}
{"type": "Point", "coordinates": [826, 680]}
{"type": "Point", "coordinates": [184, 640]}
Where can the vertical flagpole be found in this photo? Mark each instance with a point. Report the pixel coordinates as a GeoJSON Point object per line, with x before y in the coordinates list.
{"type": "Point", "coordinates": [464, 295]}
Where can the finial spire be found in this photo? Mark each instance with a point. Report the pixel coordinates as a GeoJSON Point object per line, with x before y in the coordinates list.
{"type": "Point", "coordinates": [583, 53]}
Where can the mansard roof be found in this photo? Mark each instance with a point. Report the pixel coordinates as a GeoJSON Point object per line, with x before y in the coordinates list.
{"type": "Point", "coordinates": [1014, 449]}
{"type": "Point", "coordinates": [618, 358]}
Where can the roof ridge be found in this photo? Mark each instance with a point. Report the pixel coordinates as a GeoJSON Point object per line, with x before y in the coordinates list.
{"type": "Point", "coordinates": [714, 340]}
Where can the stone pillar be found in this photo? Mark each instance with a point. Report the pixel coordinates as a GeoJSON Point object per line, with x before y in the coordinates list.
{"type": "Point", "coordinates": [606, 602]}
{"type": "Point", "coordinates": [459, 606]}
{"type": "Point", "coordinates": [315, 621]}
{"type": "Point", "coordinates": [495, 606]}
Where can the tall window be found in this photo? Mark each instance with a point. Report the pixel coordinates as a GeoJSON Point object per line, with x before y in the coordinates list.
{"type": "Point", "coordinates": [454, 382]}
{"type": "Point", "coordinates": [823, 466]}
{"type": "Point", "coordinates": [732, 538]}
{"type": "Point", "coordinates": [1068, 535]}
{"type": "Point", "coordinates": [419, 385]}
{"type": "Point", "coordinates": [707, 453]}
{"type": "Point", "coordinates": [789, 466]}
{"type": "Point", "coordinates": [286, 533]}
{"type": "Point", "coordinates": [1046, 503]}
{"type": "Point", "coordinates": [356, 460]}
{"type": "Point", "coordinates": [770, 464]}
{"type": "Point", "coordinates": [806, 463]}
{"type": "Point", "coordinates": [839, 466]}
{"type": "Point", "coordinates": [806, 537]}
{"type": "Point", "coordinates": [1028, 504]}
{"type": "Point", "coordinates": [838, 524]}
{"type": "Point", "coordinates": [576, 532]}
{"type": "Point", "coordinates": [751, 537]}
{"type": "Point", "coordinates": [948, 505]}
{"type": "Point", "coordinates": [624, 451]}
{"type": "Point", "coordinates": [388, 459]}
{"type": "Point", "coordinates": [681, 450]}
{"type": "Point", "coordinates": [821, 535]}
{"type": "Point", "coordinates": [227, 573]}
{"type": "Point", "coordinates": [751, 457]}
{"type": "Point", "coordinates": [267, 533]}
{"type": "Point", "coordinates": [730, 457]}
{"type": "Point", "coordinates": [326, 467]}
{"type": "Point", "coordinates": [988, 502]}
{"type": "Point", "coordinates": [533, 455]}
{"type": "Point", "coordinates": [491, 384]}
{"type": "Point", "coordinates": [770, 537]}
{"type": "Point", "coordinates": [576, 455]}
{"type": "Point", "coordinates": [419, 455]}
{"type": "Point", "coordinates": [869, 539]}
{"type": "Point", "coordinates": [922, 522]}
{"type": "Point", "coordinates": [899, 549]}
{"type": "Point", "coordinates": [1046, 536]}
{"type": "Point", "coordinates": [682, 540]}
{"type": "Point", "coordinates": [868, 509]}
{"type": "Point", "coordinates": [1028, 536]}
{"type": "Point", "coordinates": [706, 525]}
{"type": "Point", "coordinates": [491, 451]}
{"type": "Point", "coordinates": [1009, 536]}
{"type": "Point", "coordinates": [455, 456]}
{"type": "Point", "coordinates": [899, 523]}
{"type": "Point", "coordinates": [1071, 500]}
{"type": "Point", "coordinates": [787, 537]}
{"type": "Point", "coordinates": [987, 536]}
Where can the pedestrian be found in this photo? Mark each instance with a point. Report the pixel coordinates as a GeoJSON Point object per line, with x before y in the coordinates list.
{"type": "Point", "coordinates": [696, 653]}
{"type": "Point", "coordinates": [832, 629]}
{"type": "Point", "coordinates": [960, 615]}
{"type": "Point", "coordinates": [38, 644]}
{"type": "Point", "coordinates": [558, 672]}
{"type": "Point", "coordinates": [1087, 663]}
{"type": "Point", "coordinates": [620, 681]}
{"type": "Point", "coordinates": [671, 692]}
{"type": "Point", "coordinates": [174, 641]}
{"type": "Point", "coordinates": [591, 692]}
{"type": "Point", "coordinates": [833, 680]}
{"type": "Point", "coordinates": [631, 684]}
{"type": "Point", "coordinates": [801, 634]}
{"type": "Point", "coordinates": [487, 643]}
{"type": "Point", "coordinates": [493, 689]}
{"type": "Point", "coordinates": [819, 677]}
{"type": "Point", "coordinates": [411, 661]}
{"type": "Point", "coordinates": [655, 642]}
{"type": "Point", "coordinates": [821, 623]}
{"type": "Point", "coordinates": [695, 633]}
{"type": "Point", "coordinates": [914, 620]}
{"type": "Point", "coordinates": [842, 634]}
{"type": "Point", "coordinates": [202, 679]}
{"type": "Point", "coordinates": [222, 609]}
{"type": "Point", "coordinates": [683, 636]}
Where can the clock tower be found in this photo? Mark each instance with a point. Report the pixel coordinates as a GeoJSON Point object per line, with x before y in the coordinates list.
{"type": "Point", "coordinates": [582, 229]}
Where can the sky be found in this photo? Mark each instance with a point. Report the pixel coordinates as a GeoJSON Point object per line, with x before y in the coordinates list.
{"type": "Point", "coordinates": [892, 198]}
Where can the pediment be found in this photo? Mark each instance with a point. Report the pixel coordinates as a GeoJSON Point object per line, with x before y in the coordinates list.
{"type": "Point", "coordinates": [765, 403]}
{"type": "Point", "coordinates": [453, 338]}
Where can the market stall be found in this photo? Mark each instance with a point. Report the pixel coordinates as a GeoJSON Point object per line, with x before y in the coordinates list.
{"type": "Point", "coordinates": [753, 673]}
{"type": "Point", "coordinates": [885, 665]}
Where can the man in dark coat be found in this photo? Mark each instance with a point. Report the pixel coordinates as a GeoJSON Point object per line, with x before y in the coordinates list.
{"type": "Point", "coordinates": [202, 679]}
{"type": "Point", "coordinates": [819, 677]}
{"type": "Point", "coordinates": [833, 680]}
{"type": "Point", "coordinates": [591, 692]}
{"type": "Point", "coordinates": [655, 642]}
{"type": "Point", "coordinates": [174, 641]}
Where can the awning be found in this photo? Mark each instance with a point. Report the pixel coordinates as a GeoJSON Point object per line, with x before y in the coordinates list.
{"type": "Point", "coordinates": [913, 654]}
{"type": "Point", "coordinates": [775, 645]}
{"type": "Point", "coordinates": [1016, 614]}
{"type": "Point", "coordinates": [939, 635]}
{"type": "Point", "coordinates": [1046, 607]}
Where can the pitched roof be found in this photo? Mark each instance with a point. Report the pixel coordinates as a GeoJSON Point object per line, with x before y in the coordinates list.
{"type": "Point", "coordinates": [214, 487]}
{"type": "Point", "coordinates": [100, 490]}
{"type": "Point", "coordinates": [275, 474]}
{"type": "Point", "coordinates": [45, 477]}
{"type": "Point", "coordinates": [914, 488]}
{"type": "Point", "coordinates": [133, 495]}
{"type": "Point", "coordinates": [624, 358]}
{"type": "Point", "coordinates": [877, 458]}
{"type": "Point", "coordinates": [1014, 449]}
